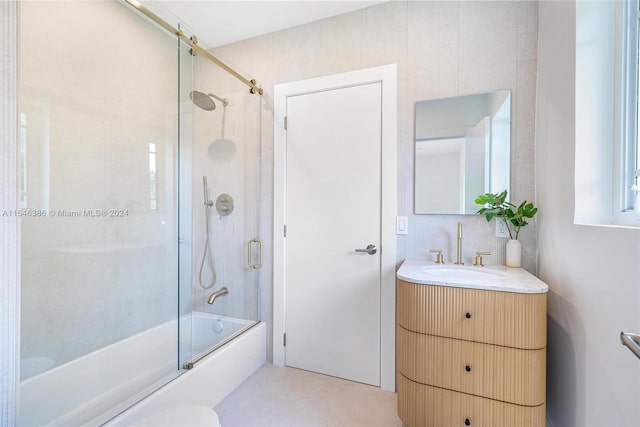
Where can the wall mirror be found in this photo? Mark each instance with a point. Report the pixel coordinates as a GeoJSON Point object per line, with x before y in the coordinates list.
{"type": "Point", "coordinates": [462, 150]}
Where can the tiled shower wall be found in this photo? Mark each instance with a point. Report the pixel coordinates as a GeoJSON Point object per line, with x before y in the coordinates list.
{"type": "Point", "coordinates": [9, 231]}
{"type": "Point", "coordinates": [442, 49]}
{"type": "Point", "coordinates": [226, 148]}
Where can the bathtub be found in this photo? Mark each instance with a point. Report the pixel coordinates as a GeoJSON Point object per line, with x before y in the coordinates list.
{"type": "Point", "coordinates": [147, 376]}
{"type": "Point", "coordinates": [212, 331]}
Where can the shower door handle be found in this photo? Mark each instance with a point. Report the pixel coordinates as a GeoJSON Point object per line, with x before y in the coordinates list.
{"type": "Point", "coordinates": [371, 250]}
{"type": "Point", "coordinates": [253, 242]}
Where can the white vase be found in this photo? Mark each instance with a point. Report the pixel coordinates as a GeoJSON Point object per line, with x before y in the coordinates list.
{"type": "Point", "coordinates": [636, 202]}
{"type": "Point", "coordinates": [514, 254]}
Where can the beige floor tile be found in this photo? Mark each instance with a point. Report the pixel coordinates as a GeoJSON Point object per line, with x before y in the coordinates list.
{"type": "Point", "coordinates": [288, 397]}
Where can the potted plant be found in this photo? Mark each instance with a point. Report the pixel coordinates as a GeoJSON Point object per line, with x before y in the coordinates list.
{"type": "Point", "coordinates": [515, 217]}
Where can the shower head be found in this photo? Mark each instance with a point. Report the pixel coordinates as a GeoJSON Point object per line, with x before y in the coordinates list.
{"type": "Point", "coordinates": [205, 100]}
{"type": "Point", "coordinates": [202, 100]}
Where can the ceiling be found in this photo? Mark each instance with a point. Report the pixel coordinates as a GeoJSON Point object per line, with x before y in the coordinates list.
{"type": "Point", "coordinates": [217, 23]}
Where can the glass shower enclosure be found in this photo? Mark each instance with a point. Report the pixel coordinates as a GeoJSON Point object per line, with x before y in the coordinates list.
{"type": "Point", "coordinates": [225, 179]}
{"type": "Point", "coordinates": [112, 151]}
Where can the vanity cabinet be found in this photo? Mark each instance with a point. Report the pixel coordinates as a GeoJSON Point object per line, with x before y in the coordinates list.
{"type": "Point", "coordinates": [470, 357]}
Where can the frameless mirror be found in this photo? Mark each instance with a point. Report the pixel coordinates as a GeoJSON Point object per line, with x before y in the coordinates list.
{"type": "Point", "coordinates": [462, 151]}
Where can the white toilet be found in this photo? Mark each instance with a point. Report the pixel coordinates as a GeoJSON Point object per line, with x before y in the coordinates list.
{"type": "Point", "coordinates": [181, 416]}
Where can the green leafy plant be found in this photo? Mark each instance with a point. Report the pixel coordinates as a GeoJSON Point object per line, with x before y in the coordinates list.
{"type": "Point", "coordinates": [496, 205]}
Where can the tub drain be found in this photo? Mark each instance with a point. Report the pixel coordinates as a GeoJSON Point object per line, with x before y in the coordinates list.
{"type": "Point", "coordinates": [218, 326]}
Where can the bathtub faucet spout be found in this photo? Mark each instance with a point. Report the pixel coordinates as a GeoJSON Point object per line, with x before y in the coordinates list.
{"type": "Point", "coordinates": [216, 294]}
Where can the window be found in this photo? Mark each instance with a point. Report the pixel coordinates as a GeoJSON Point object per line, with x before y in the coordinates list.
{"type": "Point", "coordinates": [607, 117]}
{"type": "Point", "coordinates": [630, 146]}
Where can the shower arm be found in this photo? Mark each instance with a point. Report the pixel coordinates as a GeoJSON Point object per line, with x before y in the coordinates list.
{"type": "Point", "coordinates": [224, 101]}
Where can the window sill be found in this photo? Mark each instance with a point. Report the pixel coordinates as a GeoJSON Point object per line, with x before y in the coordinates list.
{"type": "Point", "coordinates": [630, 219]}
{"type": "Point", "coordinates": [624, 220]}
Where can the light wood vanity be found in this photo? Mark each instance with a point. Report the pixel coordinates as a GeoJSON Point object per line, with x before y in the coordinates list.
{"type": "Point", "coordinates": [471, 352]}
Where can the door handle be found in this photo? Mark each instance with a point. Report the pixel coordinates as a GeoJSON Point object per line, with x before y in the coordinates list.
{"type": "Point", "coordinates": [249, 260]}
{"type": "Point", "coordinates": [632, 341]}
{"type": "Point", "coordinates": [371, 249]}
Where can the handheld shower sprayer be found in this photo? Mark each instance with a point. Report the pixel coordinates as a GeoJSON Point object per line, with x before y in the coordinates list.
{"type": "Point", "coordinates": [207, 202]}
{"type": "Point", "coordinates": [207, 257]}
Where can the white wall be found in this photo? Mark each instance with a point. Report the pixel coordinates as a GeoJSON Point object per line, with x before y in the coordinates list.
{"type": "Point", "coordinates": [434, 117]}
{"type": "Point", "coordinates": [477, 144]}
{"type": "Point", "coordinates": [442, 49]}
{"type": "Point", "coordinates": [595, 115]}
{"type": "Point", "coordinates": [593, 272]}
{"type": "Point", "coordinates": [500, 148]}
{"type": "Point", "coordinates": [9, 229]}
{"type": "Point", "coordinates": [438, 185]}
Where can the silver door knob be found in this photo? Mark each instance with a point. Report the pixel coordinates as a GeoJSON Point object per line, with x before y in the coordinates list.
{"type": "Point", "coordinates": [371, 249]}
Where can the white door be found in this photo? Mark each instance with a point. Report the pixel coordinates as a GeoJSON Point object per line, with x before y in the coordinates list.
{"type": "Point", "coordinates": [333, 193]}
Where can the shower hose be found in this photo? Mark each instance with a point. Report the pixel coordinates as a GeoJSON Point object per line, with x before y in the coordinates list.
{"type": "Point", "coordinates": [207, 257]}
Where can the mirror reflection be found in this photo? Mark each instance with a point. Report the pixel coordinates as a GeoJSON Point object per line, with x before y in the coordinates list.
{"type": "Point", "coordinates": [462, 151]}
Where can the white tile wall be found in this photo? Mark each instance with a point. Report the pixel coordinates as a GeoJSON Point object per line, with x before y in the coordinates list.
{"type": "Point", "coordinates": [488, 32]}
{"type": "Point", "coordinates": [231, 167]}
{"type": "Point", "coordinates": [592, 272]}
{"type": "Point", "coordinates": [442, 49]}
{"type": "Point", "coordinates": [9, 232]}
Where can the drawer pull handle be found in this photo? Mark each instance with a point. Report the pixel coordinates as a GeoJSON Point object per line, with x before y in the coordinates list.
{"type": "Point", "coordinates": [467, 368]}
{"type": "Point", "coordinates": [467, 422]}
{"type": "Point", "coordinates": [468, 316]}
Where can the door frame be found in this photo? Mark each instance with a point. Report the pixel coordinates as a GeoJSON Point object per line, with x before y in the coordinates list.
{"type": "Point", "coordinates": [386, 75]}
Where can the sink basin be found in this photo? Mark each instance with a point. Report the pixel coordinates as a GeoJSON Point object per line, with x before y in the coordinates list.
{"type": "Point", "coordinates": [459, 273]}
{"type": "Point", "coordinates": [494, 277]}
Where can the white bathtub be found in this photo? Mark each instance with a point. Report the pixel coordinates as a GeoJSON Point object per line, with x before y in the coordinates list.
{"type": "Point", "coordinates": [82, 392]}
{"type": "Point", "coordinates": [210, 330]}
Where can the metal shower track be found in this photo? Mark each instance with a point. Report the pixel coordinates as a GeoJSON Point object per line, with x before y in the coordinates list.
{"type": "Point", "coordinates": [193, 42]}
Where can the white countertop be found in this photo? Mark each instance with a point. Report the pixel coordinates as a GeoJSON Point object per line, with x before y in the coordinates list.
{"type": "Point", "coordinates": [490, 277]}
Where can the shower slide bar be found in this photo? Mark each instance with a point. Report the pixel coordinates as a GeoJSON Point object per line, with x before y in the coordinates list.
{"type": "Point", "coordinates": [193, 42]}
{"type": "Point", "coordinates": [632, 341]}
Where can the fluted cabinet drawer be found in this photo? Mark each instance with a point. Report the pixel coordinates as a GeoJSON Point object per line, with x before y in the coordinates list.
{"type": "Point", "coordinates": [425, 406]}
{"type": "Point", "coordinates": [502, 318]}
{"type": "Point", "coordinates": [502, 373]}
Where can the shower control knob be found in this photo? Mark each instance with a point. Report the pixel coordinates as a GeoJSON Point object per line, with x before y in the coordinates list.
{"type": "Point", "coordinates": [224, 204]}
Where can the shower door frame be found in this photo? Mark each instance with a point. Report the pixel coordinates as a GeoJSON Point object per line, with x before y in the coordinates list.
{"type": "Point", "coordinates": [386, 74]}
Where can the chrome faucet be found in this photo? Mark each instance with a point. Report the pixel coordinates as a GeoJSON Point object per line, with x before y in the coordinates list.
{"type": "Point", "coordinates": [459, 260]}
{"type": "Point", "coordinates": [216, 294]}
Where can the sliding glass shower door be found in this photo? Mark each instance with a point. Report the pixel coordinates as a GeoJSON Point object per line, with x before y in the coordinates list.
{"type": "Point", "coordinates": [105, 210]}
{"type": "Point", "coordinates": [227, 245]}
